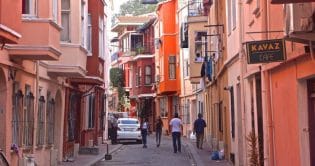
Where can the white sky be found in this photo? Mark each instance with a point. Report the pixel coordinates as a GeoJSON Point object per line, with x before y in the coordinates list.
{"type": "Point", "coordinates": [117, 4]}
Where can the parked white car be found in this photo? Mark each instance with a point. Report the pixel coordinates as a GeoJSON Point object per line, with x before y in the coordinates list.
{"type": "Point", "coordinates": [129, 129]}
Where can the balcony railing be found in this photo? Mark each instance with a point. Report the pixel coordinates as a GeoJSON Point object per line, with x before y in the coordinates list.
{"type": "Point", "coordinates": [196, 8]}
{"type": "Point", "coordinates": [144, 49]}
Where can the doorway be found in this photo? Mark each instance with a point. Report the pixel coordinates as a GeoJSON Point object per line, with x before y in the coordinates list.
{"type": "Point", "coordinates": [311, 118]}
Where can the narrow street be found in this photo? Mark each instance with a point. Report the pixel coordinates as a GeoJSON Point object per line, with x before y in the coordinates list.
{"type": "Point", "coordinates": [133, 154]}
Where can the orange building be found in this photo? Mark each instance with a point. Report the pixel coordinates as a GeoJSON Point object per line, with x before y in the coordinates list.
{"type": "Point", "coordinates": [167, 61]}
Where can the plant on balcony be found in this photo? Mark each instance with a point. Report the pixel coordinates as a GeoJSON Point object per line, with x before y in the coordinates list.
{"type": "Point", "coordinates": [253, 150]}
{"type": "Point", "coordinates": [117, 81]}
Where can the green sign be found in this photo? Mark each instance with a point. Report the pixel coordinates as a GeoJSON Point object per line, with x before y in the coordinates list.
{"type": "Point", "coordinates": [265, 51]}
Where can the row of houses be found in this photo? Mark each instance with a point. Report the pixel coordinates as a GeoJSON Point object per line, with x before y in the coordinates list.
{"type": "Point", "coordinates": [52, 78]}
{"type": "Point", "coordinates": [247, 66]}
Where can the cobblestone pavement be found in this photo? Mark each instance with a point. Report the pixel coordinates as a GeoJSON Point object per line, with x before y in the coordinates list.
{"type": "Point", "coordinates": [134, 155]}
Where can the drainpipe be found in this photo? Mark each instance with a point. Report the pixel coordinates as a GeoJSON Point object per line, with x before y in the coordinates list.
{"type": "Point", "coordinates": [242, 82]}
{"type": "Point", "coordinates": [36, 97]}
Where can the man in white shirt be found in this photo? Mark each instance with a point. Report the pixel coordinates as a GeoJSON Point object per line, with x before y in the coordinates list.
{"type": "Point", "coordinates": [176, 125]}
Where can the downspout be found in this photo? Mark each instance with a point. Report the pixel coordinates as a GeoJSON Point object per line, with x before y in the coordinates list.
{"type": "Point", "coordinates": [242, 82]}
{"type": "Point", "coordinates": [36, 98]}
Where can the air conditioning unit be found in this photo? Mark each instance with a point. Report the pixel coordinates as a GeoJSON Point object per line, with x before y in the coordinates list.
{"type": "Point", "coordinates": [299, 21]}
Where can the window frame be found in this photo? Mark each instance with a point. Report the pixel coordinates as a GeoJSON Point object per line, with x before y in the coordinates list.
{"type": "Point", "coordinates": [50, 121]}
{"type": "Point", "coordinates": [148, 75]}
{"type": "Point", "coordinates": [172, 67]}
{"type": "Point", "coordinates": [17, 114]}
{"type": "Point", "coordinates": [41, 121]}
{"type": "Point", "coordinates": [32, 7]}
{"type": "Point", "coordinates": [67, 12]}
{"type": "Point", "coordinates": [28, 118]}
{"type": "Point", "coordinates": [89, 34]}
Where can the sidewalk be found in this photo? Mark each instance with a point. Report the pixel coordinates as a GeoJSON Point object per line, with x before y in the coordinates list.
{"type": "Point", "coordinates": [202, 156]}
{"type": "Point", "coordinates": [88, 160]}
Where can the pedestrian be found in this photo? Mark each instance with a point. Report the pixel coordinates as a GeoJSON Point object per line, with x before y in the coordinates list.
{"type": "Point", "coordinates": [144, 132]}
{"type": "Point", "coordinates": [199, 126]}
{"type": "Point", "coordinates": [176, 125]}
{"type": "Point", "coordinates": [114, 130]}
{"type": "Point", "coordinates": [158, 129]}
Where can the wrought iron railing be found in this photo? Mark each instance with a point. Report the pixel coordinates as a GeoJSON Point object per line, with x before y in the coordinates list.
{"type": "Point", "coordinates": [196, 8]}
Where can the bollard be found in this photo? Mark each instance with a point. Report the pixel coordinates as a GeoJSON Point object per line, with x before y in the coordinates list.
{"type": "Point", "coordinates": [107, 155]}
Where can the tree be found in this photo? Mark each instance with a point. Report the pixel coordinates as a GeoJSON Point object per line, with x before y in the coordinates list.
{"type": "Point", "coordinates": [135, 7]}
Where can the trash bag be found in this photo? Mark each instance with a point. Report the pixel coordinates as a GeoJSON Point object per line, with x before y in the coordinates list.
{"type": "Point", "coordinates": [221, 154]}
{"type": "Point", "coordinates": [215, 155]}
{"type": "Point", "coordinates": [192, 136]}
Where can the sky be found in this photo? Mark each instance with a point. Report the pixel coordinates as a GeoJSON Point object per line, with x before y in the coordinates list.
{"type": "Point", "coordinates": [117, 4]}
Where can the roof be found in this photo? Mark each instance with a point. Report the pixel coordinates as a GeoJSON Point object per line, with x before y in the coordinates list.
{"type": "Point", "coordinates": [122, 21]}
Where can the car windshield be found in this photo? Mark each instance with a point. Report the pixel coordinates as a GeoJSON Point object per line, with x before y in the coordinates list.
{"type": "Point", "coordinates": [129, 122]}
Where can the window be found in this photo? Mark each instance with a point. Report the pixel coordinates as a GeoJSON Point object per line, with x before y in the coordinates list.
{"type": "Point", "coordinates": [220, 105]}
{"type": "Point", "coordinates": [89, 34]}
{"type": "Point", "coordinates": [172, 67]}
{"type": "Point", "coordinates": [229, 16]}
{"type": "Point", "coordinates": [65, 20]}
{"type": "Point", "coordinates": [82, 23]}
{"type": "Point", "coordinates": [163, 107]}
{"type": "Point", "coordinates": [91, 110]}
{"type": "Point", "coordinates": [28, 117]}
{"type": "Point", "coordinates": [17, 114]}
{"type": "Point", "coordinates": [232, 112]}
{"type": "Point", "coordinates": [200, 46]}
{"type": "Point", "coordinates": [28, 7]}
{"type": "Point", "coordinates": [41, 121]}
{"type": "Point", "coordinates": [148, 75]}
{"type": "Point", "coordinates": [55, 10]}
{"type": "Point", "coordinates": [234, 13]}
{"type": "Point", "coordinates": [50, 121]}
{"type": "Point", "coordinates": [186, 68]}
{"type": "Point", "coordinates": [72, 117]}
{"type": "Point", "coordinates": [138, 77]}
{"type": "Point", "coordinates": [101, 43]}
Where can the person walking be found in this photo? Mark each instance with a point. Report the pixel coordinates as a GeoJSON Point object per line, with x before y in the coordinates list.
{"type": "Point", "coordinates": [144, 132]}
{"type": "Point", "coordinates": [176, 125]}
{"type": "Point", "coordinates": [114, 130]}
{"type": "Point", "coordinates": [158, 130]}
{"type": "Point", "coordinates": [199, 126]}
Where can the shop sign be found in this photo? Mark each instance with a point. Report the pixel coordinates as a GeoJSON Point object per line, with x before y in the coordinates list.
{"type": "Point", "coordinates": [265, 51]}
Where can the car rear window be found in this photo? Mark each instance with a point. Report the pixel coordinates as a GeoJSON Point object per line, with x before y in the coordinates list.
{"type": "Point", "coordinates": [129, 122]}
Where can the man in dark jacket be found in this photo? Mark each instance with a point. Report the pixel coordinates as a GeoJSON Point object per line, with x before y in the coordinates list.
{"type": "Point", "coordinates": [199, 126]}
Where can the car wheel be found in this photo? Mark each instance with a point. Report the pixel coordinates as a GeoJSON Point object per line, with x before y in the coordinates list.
{"type": "Point", "coordinates": [139, 141]}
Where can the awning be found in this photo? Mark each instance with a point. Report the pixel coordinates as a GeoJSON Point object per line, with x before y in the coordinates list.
{"type": "Point", "coordinates": [87, 81]}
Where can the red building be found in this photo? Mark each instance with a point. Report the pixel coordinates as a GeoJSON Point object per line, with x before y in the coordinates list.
{"type": "Point", "coordinates": [84, 113]}
{"type": "Point", "coordinates": [136, 42]}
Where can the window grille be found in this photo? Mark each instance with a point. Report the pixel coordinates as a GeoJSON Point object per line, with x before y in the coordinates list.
{"type": "Point", "coordinates": [50, 121]}
{"type": "Point", "coordinates": [41, 121]}
{"type": "Point", "coordinates": [17, 115]}
{"type": "Point", "coordinates": [72, 117]}
{"type": "Point", "coordinates": [28, 119]}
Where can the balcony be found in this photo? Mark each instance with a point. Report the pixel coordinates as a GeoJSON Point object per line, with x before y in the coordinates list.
{"type": "Point", "coordinates": [72, 63]}
{"type": "Point", "coordinates": [10, 21]}
{"type": "Point", "coordinates": [299, 23]}
{"type": "Point", "coordinates": [40, 40]}
{"type": "Point", "coordinates": [196, 8]}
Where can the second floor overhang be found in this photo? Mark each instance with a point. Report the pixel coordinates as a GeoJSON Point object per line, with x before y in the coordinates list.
{"type": "Point", "coordinates": [8, 35]}
{"type": "Point", "coordinates": [33, 52]}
